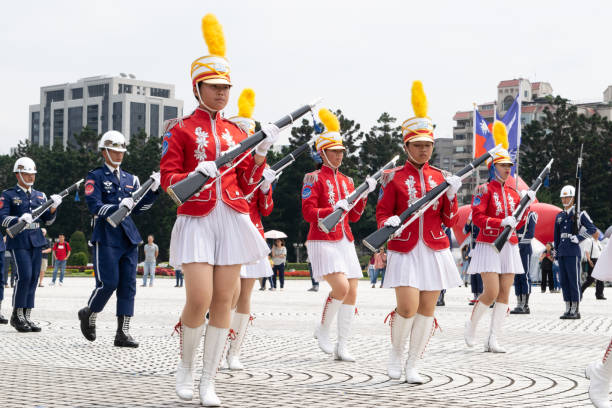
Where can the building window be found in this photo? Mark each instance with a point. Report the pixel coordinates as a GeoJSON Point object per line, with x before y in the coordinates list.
{"type": "Point", "coordinates": [35, 128]}
{"type": "Point", "coordinates": [460, 136]}
{"type": "Point", "coordinates": [154, 121]}
{"type": "Point", "coordinates": [137, 117]}
{"type": "Point", "coordinates": [77, 93]}
{"type": "Point", "coordinates": [125, 88]}
{"type": "Point", "coordinates": [526, 94]}
{"type": "Point", "coordinates": [75, 124]}
{"type": "Point", "coordinates": [95, 90]}
{"type": "Point", "coordinates": [117, 116]}
{"type": "Point", "coordinates": [58, 127]}
{"type": "Point", "coordinates": [459, 149]}
{"type": "Point", "coordinates": [170, 112]}
{"type": "Point", "coordinates": [163, 93]}
{"type": "Point", "coordinates": [92, 117]}
{"type": "Point", "coordinates": [55, 96]}
{"type": "Point", "coordinates": [507, 103]}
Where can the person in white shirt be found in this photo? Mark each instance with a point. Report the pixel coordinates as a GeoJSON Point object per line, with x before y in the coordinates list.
{"type": "Point", "coordinates": [592, 252]}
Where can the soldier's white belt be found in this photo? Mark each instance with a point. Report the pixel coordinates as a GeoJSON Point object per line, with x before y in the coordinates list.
{"type": "Point", "coordinates": [566, 235]}
{"type": "Point", "coordinates": [33, 225]}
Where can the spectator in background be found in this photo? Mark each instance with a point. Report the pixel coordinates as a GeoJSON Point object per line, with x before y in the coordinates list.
{"type": "Point", "coordinates": [465, 263]}
{"type": "Point", "coordinates": [10, 261]}
{"type": "Point", "coordinates": [380, 265]}
{"type": "Point", "coordinates": [592, 252]}
{"type": "Point", "coordinates": [279, 257]}
{"type": "Point", "coordinates": [46, 250]}
{"type": "Point", "coordinates": [61, 251]}
{"type": "Point", "coordinates": [556, 279]}
{"type": "Point", "coordinates": [372, 271]}
{"type": "Point", "coordinates": [546, 262]}
{"type": "Point", "coordinates": [178, 274]}
{"type": "Point", "coordinates": [151, 251]}
{"type": "Point", "coordinates": [315, 284]}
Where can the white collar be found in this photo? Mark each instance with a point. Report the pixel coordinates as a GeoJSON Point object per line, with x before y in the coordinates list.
{"type": "Point", "coordinates": [28, 190]}
{"type": "Point", "coordinates": [112, 169]}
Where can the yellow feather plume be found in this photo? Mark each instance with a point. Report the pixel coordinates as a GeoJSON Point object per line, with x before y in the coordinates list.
{"type": "Point", "coordinates": [500, 134]}
{"type": "Point", "coordinates": [213, 35]}
{"type": "Point", "coordinates": [419, 100]}
{"type": "Point", "coordinates": [246, 103]}
{"type": "Point", "coordinates": [331, 122]}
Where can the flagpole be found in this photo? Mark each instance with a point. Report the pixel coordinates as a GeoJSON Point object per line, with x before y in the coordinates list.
{"type": "Point", "coordinates": [474, 141]}
{"type": "Point", "coordinates": [518, 133]}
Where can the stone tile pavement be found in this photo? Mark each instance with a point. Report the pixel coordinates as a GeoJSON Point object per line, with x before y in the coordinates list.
{"type": "Point", "coordinates": [59, 368]}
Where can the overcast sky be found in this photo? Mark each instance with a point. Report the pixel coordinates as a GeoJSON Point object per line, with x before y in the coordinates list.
{"type": "Point", "coordinates": [361, 56]}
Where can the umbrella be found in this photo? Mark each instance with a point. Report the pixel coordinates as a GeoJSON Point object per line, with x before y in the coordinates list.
{"type": "Point", "coordinates": [608, 232]}
{"type": "Point", "coordinates": [274, 234]}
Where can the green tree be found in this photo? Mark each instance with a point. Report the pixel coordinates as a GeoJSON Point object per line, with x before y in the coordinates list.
{"type": "Point", "coordinates": [78, 245]}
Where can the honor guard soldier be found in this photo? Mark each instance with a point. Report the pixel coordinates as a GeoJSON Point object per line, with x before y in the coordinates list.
{"type": "Point", "coordinates": [567, 250]}
{"type": "Point", "coordinates": [522, 282]}
{"type": "Point", "coordinates": [115, 250]}
{"type": "Point", "coordinates": [3, 319]}
{"type": "Point", "coordinates": [17, 204]}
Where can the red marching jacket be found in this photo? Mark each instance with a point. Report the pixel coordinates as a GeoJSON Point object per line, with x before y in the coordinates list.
{"type": "Point", "coordinates": [260, 205]}
{"type": "Point", "coordinates": [490, 205]}
{"type": "Point", "coordinates": [197, 138]}
{"type": "Point", "coordinates": [402, 186]}
{"type": "Point", "coordinates": [321, 190]}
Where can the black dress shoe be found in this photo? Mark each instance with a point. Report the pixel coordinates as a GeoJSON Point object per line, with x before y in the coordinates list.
{"type": "Point", "coordinates": [123, 338]}
{"type": "Point", "coordinates": [3, 320]}
{"type": "Point", "coordinates": [526, 309]}
{"type": "Point", "coordinates": [18, 321]}
{"type": "Point", "coordinates": [517, 310]}
{"type": "Point", "coordinates": [33, 326]}
{"type": "Point", "coordinates": [601, 298]}
{"type": "Point", "coordinates": [88, 323]}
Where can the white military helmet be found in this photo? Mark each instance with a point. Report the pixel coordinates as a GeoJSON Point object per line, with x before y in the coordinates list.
{"type": "Point", "coordinates": [112, 140]}
{"type": "Point", "coordinates": [24, 165]}
{"type": "Point", "coordinates": [568, 191]}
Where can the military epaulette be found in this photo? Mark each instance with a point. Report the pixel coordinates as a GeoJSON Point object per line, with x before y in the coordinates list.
{"type": "Point", "coordinates": [170, 123]}
{"type": "Point", "coordinates": [482, 189]}
{"type": "Point", "coordinates": [311, 178]}
{"type": "Point", "coordinates": [388, 176]}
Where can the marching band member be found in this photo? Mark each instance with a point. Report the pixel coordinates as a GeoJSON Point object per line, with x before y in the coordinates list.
{"type": "Point", "coordinates": [17, 204]}
{"type": "Point", "coordinates": [492, 207]}
{"type": "Point", "coordinates": [260, 205]}
{"type": "Point", "coordinates": [600, 373]}
{"type": "Point", "coordinates": [567, 250]}
{"type": "Point", "coordinates": [333, 257]}
{"type": "Point", "coordinates": [213, 234]}
{"type": "Point", "coordinates": [115, 250]}
{"type": "Point", "coordinates": [522, 281]}
{"type": "Point", "coordinates": [419, 261]}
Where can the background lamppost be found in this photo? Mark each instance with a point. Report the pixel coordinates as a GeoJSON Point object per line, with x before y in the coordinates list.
{"type": "Point", "coordinates": [297, 250]}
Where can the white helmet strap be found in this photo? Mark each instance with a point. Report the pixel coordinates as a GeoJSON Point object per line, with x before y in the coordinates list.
{"type": "Point", "coordinates": [327, 160]}
{"type": "Point", "coordinates": [25, 183]}
{"type": "Point", "coordinates": [109, 158]}
{"type": "Point", "coordinates": [202, 100]}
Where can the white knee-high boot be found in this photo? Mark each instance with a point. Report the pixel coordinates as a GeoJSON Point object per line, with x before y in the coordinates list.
{"type": "Point", "coordinates": [330, 310]}
{"type": "Point", "coordinates": [190, 340]}
{"type": "Point", "coordinates": [214, 344]}
{"type": "Point", "coordinates": [422, 329]}
{"type": "Point", "coordinates": [346, 315]}
{"type": "Point", "coordinates": [495, 332]}
{"type": "Point", "coordinates": [239, 325]}
{"type": "Point", "coordinates": [600, 374]}
{"type": "Point", "coordinates": [469, 332]}
{"type": "Point", "coordinates": [400, 330]}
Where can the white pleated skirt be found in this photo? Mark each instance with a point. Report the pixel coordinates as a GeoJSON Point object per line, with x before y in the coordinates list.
{"type": "Point", "coordinates": [333, 256]}
{"type": "Point", "coordinates": [422, 268]}
{"type": "Point", "coordinates": [260, 269]}
{"type": "Point", "coordinates": [603, 267]}
{"type": "Point", "coordinates": [223, 237]}
{"type": "Point", "coordinates": [486, 259]}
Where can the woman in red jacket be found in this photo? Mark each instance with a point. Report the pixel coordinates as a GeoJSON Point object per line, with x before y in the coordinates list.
{"type": "Point", "coordinates": [419, 261]}
{"type": "Point", "coordinates": [260, 205]}
{"type": "Point", "coordinates": [332, 256]}
{"type": "Point", "coordinates": [213, 234]}
{"type": "Point", "coordinates": [492, 208]}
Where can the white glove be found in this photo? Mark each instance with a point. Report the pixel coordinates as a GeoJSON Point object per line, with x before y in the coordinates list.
{"type": "Point", "coordinates": [393, 221]}
{"type": "Point", "coordinates": [27, 217]}
{"type": "Point", "coordinates": [127, 202]}
{"type": "Point", "coordinates": [509, 220]}
{"type": "Point", "coordinates": [57, 200]}
{"type": "Point", "coordinates": [371, 184]}
{"type": "Point", "coordinates": [207, 168]}
{"type": "Point", "coordinates": [272, 132]}
{"type": "Point", "coordinates": [342, 204]}
{"type": "Point", "coordinates": [269, 176]}
{"type": "Point", "coordinates": [530, 193]}
{"type": "Point", "coordinates": [156, 180]}
{"type": "Point", "coordinates": [574, 239]}
{"type": "Point", "coordinates": [454, 183]}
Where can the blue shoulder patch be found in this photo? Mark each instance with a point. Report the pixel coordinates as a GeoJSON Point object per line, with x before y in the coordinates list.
{"type": "Point", "coordinates": [306, 192]}
{"type": "Point", "coordinates": [167, 135]}
{"type": "Point", "coordinates": [476, 200]}
{"type": "Point", "coordinates": [380, 194]}
{"type": "Point", "coordinates": [164, 148]}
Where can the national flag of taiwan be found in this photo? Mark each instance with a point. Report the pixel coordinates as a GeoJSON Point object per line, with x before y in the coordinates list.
{"type": "Point", "coordinates": [512, 120]}
{"type": "Point", "coordinates": [483, 135]}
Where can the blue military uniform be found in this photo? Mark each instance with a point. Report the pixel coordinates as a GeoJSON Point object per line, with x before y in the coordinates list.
{"type": "Point", "coordinates": [3, 271]}
{"type": "Point", "coordinates": [115, 250]}
{"type": "Point", "coordinates": [26, 247]}
{"type": "Point", "coordinates": [475, 279]}
{"type": "Point", "coordinates": [568, 253]}
{"type": "Point", "coordinates": [522, 282]}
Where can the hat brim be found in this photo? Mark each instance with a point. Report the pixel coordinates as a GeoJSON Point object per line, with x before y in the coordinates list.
{"type": "Point", "coordinates": [420, 139]}
{"type": "Point", "coordinates": [336, 147]}
{"type": "Point", "coordinates": [216, 81]}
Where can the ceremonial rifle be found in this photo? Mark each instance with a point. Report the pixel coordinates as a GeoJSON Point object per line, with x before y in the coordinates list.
{"type": "Point", "coordinates": [20, 225]}
{"type": "Point", "coordinates": [329, 223]}
{"type": "Point", "coordinates": [501, 240]}
{"type": "Point", "coordinates": [186, 188]}
{"type": "Point", "coordinates": [122, 212]}
{"type": "Point", "coordinates": [377, 239]}
{"type": "Point", "coordinates": [577, 198]}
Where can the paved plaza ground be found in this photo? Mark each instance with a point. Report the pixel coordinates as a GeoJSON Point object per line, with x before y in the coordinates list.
{"type": "Point", "coordinates": [284, 366]}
